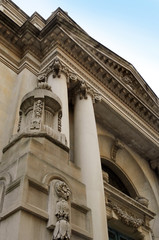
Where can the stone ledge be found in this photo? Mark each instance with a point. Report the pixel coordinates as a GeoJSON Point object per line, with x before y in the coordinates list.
{"type": "Point", "coordinates": [35, 135]}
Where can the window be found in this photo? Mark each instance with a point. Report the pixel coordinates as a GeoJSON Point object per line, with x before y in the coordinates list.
{"type": "Point", "coordinates": [115, 181]}
{"type": "Point", "coordinates": [114, 235]}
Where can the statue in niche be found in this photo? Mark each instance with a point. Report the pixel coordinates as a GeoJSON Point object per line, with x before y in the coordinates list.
{"type": "Point", "coordinates": [62, 229]}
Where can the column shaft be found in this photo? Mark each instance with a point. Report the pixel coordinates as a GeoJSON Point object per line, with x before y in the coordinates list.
{"type": "Point", "coordinates": [87, 157]}
{"type": "Point", "coordinates": [59, 87]}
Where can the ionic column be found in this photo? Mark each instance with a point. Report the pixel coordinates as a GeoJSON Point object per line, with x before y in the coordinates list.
{"type": "Point", "coordinates": [87, 157]}
{"type": "Point", "coordinates": [58, 82]}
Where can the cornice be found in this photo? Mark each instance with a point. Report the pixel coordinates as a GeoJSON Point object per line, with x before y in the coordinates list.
{"type": "Point", "coordinates": [13, 11]}
{"type": "Point", "coordinates": [106, 94]}
{"type": "Point", "coordinates": [107, 97]}
{"type": "Point", "coordinates": [110, 74]}
{"type": "Point", "coordinates": [147, 109]}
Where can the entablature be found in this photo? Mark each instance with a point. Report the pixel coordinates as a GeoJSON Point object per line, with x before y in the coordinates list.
{"type": "Point", "coordinates": [116, 80]}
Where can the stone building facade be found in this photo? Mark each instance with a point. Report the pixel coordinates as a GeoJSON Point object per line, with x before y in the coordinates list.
{"type": "Point", "coordinates": [79, 135]}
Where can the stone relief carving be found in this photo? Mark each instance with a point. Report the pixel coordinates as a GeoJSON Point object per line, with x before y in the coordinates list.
{"type": "Point", "coordinates": [42, 82]}
{"type": "Point", "coordinates": [79, 85]}
{"type": "Point", "coordinates": [129, 81]}
{"type": "Point", "coordinates": [83, 89]}
{"type": "Point", "coordinates": [56, 68]}
{"type": "Point", "coordinates": [20, 120]}
{"type": "Point", "coordinates": [116, 146]}
{"type": "Point", "coordinates": [125, 217]}
{"type": "Point", "coordinates": [42, 78]}
{"type": "Point", "coordinates": [62, 229]}
{"type": "Point", "coordinates": [37, 115]}
{"type": "Point", "coordinates": [59, 121]}
{"type": "Point", "coordinates": [143, 201]}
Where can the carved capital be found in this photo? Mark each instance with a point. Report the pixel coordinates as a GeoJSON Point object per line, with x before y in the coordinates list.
{"type": "Point", "coordinates": [83, 89]}
{"type": "Point", "coordinates": [56, 68]}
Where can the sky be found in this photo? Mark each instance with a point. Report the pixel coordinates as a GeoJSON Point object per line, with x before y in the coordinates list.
{"type": "Point", "coordinates": [130, 28]}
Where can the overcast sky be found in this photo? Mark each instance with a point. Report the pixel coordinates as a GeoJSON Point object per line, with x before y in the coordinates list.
{"type": "Point", "coordinates": [129, 28]}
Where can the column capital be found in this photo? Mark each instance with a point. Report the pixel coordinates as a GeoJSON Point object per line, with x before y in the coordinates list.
{"type": "Point", "coordinates": [56, 68]}
{"type": "Point", "coordinates": [83, 90]}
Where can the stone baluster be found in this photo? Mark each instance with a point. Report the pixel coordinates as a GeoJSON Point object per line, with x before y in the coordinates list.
{"type": "Point", "coordinates": [87, 157]}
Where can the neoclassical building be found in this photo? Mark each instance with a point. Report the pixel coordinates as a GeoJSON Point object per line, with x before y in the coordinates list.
{"type": "Point", "coordinates": [79, 135]}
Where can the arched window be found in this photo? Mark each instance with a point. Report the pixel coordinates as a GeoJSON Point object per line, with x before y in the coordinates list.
{"type": "Point", "coordinates": [118, 179]}
{"type": "Point", "coordinates": [127, 211]}
{"type": "Point", "coordinates": [115, 181]}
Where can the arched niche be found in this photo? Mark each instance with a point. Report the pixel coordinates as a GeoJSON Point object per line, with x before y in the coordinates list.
{"type": "Point", "coordinates": [5, 179]}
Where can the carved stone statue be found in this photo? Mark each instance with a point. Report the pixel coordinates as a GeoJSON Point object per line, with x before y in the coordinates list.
{"type": "Point", "coordinates": [62, 229]}
{"type": "Point", "coordinates": [56, 68]}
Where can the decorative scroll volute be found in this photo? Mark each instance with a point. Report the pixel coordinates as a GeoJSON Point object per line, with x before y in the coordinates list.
{"type": "Point", "coordinates": [83, 89]}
